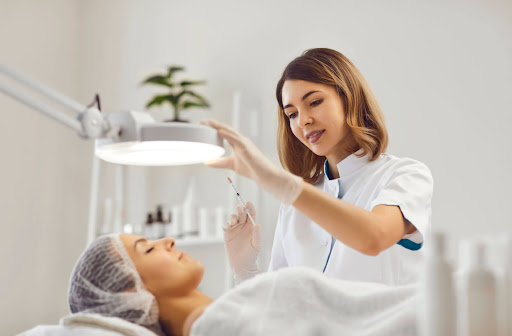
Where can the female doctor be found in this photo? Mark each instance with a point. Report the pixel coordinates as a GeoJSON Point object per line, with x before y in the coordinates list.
{"type": "Point", "coordinates": [348, 209]}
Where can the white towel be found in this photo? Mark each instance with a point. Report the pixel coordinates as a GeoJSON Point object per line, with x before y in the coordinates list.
{"type": "Point", "coordinates": [301, 301]}
{"type": "Point", "coordinates": [89, 325]}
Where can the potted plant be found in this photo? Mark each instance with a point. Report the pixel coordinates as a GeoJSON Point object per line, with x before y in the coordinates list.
{"type": "Point", "coordinates": [180, 95]}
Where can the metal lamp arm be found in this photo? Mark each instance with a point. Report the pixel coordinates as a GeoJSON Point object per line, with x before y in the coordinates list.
{"type": "Point", "coordinates": [88, 121]}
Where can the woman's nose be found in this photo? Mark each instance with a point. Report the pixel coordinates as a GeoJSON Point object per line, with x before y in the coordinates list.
{"type": "Point", "coordinates": [305, 119]}
{"type": "Point", "coordinates": [168, 242]}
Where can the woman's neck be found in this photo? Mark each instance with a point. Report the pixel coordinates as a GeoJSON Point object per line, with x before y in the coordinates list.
{"type": "Point", "coordinates": [337, 157]}
{"type": "Point", "coordinates": [179, 312]}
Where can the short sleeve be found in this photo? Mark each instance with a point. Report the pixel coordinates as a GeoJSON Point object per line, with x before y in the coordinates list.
{"type": "Point", "coordinates": [278, 258]}
{"type": "Point", "coordinates": [410, 187]}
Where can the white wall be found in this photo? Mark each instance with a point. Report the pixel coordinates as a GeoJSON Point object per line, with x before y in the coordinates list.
{"type": "Point", "coordinates": [441, 71]}
{"type": "Point", "coordinates": [44, 180]}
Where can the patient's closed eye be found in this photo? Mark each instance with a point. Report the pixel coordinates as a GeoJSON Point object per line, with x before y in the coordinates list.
{"type": "Point", "coordinates": [151, 249]}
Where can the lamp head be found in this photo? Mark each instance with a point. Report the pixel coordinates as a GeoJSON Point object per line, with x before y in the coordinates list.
{"type": "Point", "coordinates": [140, 140]}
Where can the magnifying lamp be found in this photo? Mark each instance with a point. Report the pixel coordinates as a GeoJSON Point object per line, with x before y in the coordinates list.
{"type": "Point", "coordinates": [125, 137]}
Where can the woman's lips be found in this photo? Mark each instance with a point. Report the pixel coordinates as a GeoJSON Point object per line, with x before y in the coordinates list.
{"type": "Point", "coordinates": [315, 136]}
{"type": "Point", "coordinates": [181, 256]}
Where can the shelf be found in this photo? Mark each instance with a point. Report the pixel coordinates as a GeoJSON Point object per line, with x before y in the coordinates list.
{"type": "Point", "coordinates": [195, 241]}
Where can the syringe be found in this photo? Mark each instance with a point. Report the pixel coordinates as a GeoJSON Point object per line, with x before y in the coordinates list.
{"type": "Point", "coordinates": [240, 199]}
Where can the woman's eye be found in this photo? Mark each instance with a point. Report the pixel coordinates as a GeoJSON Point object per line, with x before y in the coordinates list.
{"type": "Point", "coordinates": [151, 249]}
{"type": "Point", "coordinates": [292, 115]}
{"type": "Point", "coordinates": [316, 102]}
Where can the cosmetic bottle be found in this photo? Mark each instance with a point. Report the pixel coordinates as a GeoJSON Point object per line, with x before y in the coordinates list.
{"type": "Point", "coordinates": [220, 220]}
{"type": "Point", "coordinates": [168, 227]}
{"type": "Point", "coordinates": [190, 224]}
{"type": "Point", "coordinates": [439, 304]}
{"type": "Point", "coordinates": [128, 228]}
{"type": "Point", "coordinates": [107, 217]}
{"type": "Point", "coordinates": [501, 263]}
{"type": "Point", "coordinates": [204, 222]}
{"type": "Point", "coordinates": [148, 231]}
{"type": "Point", "coordinates": [478, 299]}
{"type": "Point", "coordinates": [177, 230]}
{"type": "Point", "coordinates": [159, 225]}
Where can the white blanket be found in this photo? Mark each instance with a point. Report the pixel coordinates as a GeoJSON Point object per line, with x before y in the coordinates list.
{"type": "Point", "coordinates": [301, 301]}
{"type": "Point", "coordinates": [89, 325]}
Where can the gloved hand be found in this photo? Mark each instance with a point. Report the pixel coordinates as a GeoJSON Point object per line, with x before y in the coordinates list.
{"type": "Point", "coordinates": [242, 241]}
{"type": "Point", "coordinates": [247, 160]}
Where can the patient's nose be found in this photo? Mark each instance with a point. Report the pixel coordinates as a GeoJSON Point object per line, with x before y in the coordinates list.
{"type": "Point", "coordinates": [168, 242]}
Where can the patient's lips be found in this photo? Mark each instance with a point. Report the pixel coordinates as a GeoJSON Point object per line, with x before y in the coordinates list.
{"type": "Point", "coordinates": [181, 255]}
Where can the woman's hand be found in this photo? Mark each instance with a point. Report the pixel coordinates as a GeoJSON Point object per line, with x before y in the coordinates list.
{"type": "Point", "coordinates": [242, 241]}
{"type": "Point", "coordinates": [247, 160]}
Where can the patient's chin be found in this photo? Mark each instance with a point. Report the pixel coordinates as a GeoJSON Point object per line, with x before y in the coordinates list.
{"type": "Point", "coordinates": [199, 272]}
{"type": "Point", "coordinates": [195, 276]}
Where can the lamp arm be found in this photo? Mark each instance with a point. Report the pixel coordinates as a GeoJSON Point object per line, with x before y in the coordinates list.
{"type": "Point", "coordinates": [88, 122]}
{"type": "Point", "coordinates": [41, 107]}
{"type": "Point", "coordinates": [39, 87]}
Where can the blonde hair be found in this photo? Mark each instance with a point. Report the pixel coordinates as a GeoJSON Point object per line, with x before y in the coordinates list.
{"type": "Point", "coordinates": [363, 114]}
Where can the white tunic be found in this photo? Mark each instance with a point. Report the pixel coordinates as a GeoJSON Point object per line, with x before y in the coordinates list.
{"type": "Point", "coordinates": [388, 180]}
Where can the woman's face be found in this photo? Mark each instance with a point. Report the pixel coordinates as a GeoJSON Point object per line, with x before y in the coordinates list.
{"type": "Point", "coordinates": [317, 118]}
{"type": "Point", "coordinates": [163, 269]}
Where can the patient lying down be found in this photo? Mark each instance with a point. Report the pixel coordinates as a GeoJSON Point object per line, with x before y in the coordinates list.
{"type": "Point", "coordinates": [153, 285]}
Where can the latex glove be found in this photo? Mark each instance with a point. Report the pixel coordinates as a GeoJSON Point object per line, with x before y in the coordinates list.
{"type": "Point", "coordinates": [247, 160]}
{"type": "Point", "coordinates": [242, 241]}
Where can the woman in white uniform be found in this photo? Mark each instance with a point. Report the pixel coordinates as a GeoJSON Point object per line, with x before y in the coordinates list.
{"type": "Point", "coordinates": [348, 209]}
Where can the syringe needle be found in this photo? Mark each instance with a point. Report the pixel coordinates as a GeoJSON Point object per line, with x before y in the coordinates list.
{"type": "Point", "coordinates": [240, 199]}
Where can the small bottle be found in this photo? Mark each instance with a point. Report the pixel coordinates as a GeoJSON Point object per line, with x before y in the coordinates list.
{"type": "Point", "coordinates": [177, 229]}
{"type": "Point", "coordinates": [479, 293]}
{"type": "Point", "coordinates": [159, 224]}
{"type": "Point", "coordinates": [128, 228]}
{"type": "Point", "coordinates": [438, 317]}
{"type": "Point", "coordinates": [189, 209]}
{"type": "Point", "coordinates": [107, 217]}
{"type": "Point", "coordinates": [507, 256]}
{"type": "Point", "coordinates": [204, 223]}
{"type": "Point", "coordinates": [502, 266]}
{"type": "Point", "coordinates": [148, 229]}
{"type": "Point", "coordinates": [220, 220]}
{"type": "Point", "coordinates": [168, 227]}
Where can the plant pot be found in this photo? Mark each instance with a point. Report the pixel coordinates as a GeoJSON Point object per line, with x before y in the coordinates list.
{"type": "Point", "coordinates": [176, 120]}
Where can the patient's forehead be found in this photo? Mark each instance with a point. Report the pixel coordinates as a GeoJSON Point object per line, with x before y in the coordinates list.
{"type": "Point", "coordinates": [130, 240]}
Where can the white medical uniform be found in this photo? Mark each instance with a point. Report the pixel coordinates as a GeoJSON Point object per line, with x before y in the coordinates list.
{"type": "Point", "coordinates": [388, 180]}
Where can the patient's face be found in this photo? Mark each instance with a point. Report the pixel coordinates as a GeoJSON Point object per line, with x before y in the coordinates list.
{"type": "Point", "coordinates": [164, 269]}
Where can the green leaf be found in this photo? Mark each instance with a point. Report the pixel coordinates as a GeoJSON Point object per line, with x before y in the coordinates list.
{"type": "Point", "coordinates": [198, 97]}
{"type": "Point", "coordinates": [190, 83]}
{"type": "Point", "coordinates": [159, 80]}
{"type": "Point", "coordinates": [173, 99]}
{"type": "Point", "coordinates": [173, 69]}
{"type": "Point", "coordinates": [189, 104]}
{"type": "Point", "coordinates": [181, 94]}
{"type": "Point", "coordinates": [157, 100]}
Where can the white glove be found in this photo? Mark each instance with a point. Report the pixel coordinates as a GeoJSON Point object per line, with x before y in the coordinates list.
{"type": "Point", "coordinates": [247, 160]}
{"type": "Point", "coordinates": [242, 241]}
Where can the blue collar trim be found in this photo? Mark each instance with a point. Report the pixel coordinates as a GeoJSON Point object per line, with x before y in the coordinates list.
{"type": "Point", "coordinates": [327, 171]}
{"type": "Point", "coordinates": [410, 245]}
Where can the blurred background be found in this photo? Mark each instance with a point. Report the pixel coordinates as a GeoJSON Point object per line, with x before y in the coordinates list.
{"type": "Point", "coordinates": [441, 71]}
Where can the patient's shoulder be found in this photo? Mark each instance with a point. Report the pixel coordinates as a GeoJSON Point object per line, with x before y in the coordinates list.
{"type": "Point", "coordinates": [105, 323]}
{"type": "Point", "coordinates": [89, 325]}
